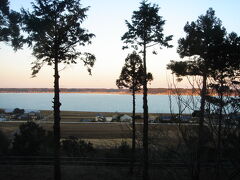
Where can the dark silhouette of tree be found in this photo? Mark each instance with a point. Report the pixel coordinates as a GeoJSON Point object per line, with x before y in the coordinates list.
{"type": "Point", "coordinates": [30, 140]}
{"type": "Point", "coordinates": [10, 26]}
{"type": "Point", "coordinates": [18, 111]}
{"type": "Point", "coordinates": [145, 31]}
{"type": "Point", "coordinates": [225, 71]}
{"type": "Point", "coordinates": [54, 30]}
{"type": "Point", "coordinates": [202, 43]}
{"type": "Point", "coordinates": [132, 77]}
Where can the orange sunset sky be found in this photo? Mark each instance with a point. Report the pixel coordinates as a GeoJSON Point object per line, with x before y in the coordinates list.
{"type": "Point", "coordinates": [106, 19]}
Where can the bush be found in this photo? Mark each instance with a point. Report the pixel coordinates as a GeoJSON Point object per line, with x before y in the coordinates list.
{"type": "Point", "coordinates": [4, 143]}
{"type": "Point", "coordinates": [31, 140]}
{"type": "Point", "coordinates": [76, 147]}
{"type": "Point", "coordinates": [124, 148]}
{"type": "Point", "coordinates": [18, 111]}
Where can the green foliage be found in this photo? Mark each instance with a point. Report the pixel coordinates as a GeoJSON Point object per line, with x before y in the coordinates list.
{"type": "Point", "coordinates": [4, 143]}
{"type": "Point", "coordinates": [54, 30]}
{"type": "Point", "coordinates": [10, 26]}
{"type": "Point", "coordinates": [132, 73]}
{"type": "Point", "coordinates": [31, 140]}
{"type": "Point", "coordinates": [212, 53]}
{"type": "Point", "coordinates": [145, 31]}
{"type": "Point", "coordinates": [207, 45]}
{"type": "Point", "coordinates": [76, 147]}
{"type": "Point", "coordinates": [203, 37]}
{"type": "Point", "coordinates": [186, 68]}
{"type": "Point", "coordinates": [146, 28]}
{"type": "Point", "coordinates": [4, 12]}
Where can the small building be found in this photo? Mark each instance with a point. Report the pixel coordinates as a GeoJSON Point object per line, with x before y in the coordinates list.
{"type": "Point", "coordinates": [24, 116]}
{"type": "Point", "coordinates": [125, 118]}
{"type": "Point", "coordinates": [34, 115]}
{"type": "Point", "coordinates": [152, 119]}
{"type": "Point", "coordinates": [100, 118]}
{"type": "Point", "coordinates": [108, 119]}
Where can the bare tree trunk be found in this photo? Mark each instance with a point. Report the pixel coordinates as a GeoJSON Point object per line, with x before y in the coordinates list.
{"type": "Point", "coordinates": [145, 119]}
{"type": "Point", "coordinates": [133, 133]}
{"type": "Point", "coordinates": [219, 138]}
{"type": "Point", "coordinates": [200, 129]}
{"type": "Point", "coordinates": [56, 126]}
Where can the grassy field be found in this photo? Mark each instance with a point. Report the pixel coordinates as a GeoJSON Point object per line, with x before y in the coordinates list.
{"type": "Point", "coordinates": [81, 130]}
{"type": "Point", "coordinates": [100, 134]}
{"type": "Point", "coordinates": [104, 135]}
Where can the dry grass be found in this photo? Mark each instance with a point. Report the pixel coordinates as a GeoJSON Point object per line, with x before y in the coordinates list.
{"type": "Point", "coordinates": [105, 134]}
{"type": "Point", "coordinates": [81, 130]}
{"type": "Point", "coordinates": [100, 134]}
{"type": "Point", "coordinates": [108, 143]}
{"type": "Point", "coordinates": [68, 173]}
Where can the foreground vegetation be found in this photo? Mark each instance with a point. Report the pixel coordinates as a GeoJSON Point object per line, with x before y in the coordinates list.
{"type": "Point", "coordinates": [171, 148]}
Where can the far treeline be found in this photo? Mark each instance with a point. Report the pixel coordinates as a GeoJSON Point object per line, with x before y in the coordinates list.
{"type": "Point", "coordinates": [210, 62]}
{"type": "Point", "coordinates": [163, 91]}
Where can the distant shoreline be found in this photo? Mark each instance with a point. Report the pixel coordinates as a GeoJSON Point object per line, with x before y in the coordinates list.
{"type": "Point", "coordinates": [151, 91]}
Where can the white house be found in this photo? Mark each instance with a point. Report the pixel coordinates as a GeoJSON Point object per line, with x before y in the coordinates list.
{"type": "Point", "coordinates": [108, 119]}
{"type": "Point", "coordinates": [100, 118]}
{"type": "Point", "coordinates": [125, 118]}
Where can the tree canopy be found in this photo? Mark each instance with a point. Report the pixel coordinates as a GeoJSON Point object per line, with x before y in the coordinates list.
{"type": "Point", "coordinates": [54, 32]}
{"type": "Point", "coordinates": [145, 31]}
{"type": "Point", "coordinates": [132, 73]}
{"type": "Point", "coordinates": [146, 28]}
{"type": "Point", "coordinates": [10, 26]}
{"type": "Point", "coordinates": [31, 140]}
{"type": "Point", "coordinates": [203, 40]}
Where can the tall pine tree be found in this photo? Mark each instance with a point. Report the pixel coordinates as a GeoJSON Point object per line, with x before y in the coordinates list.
{"type": "Point", "coordinates": [54, 32]}
{"type": "Point", "coordinates": [145, 31]}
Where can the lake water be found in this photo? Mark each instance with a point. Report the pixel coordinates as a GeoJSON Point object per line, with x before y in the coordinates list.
{"type": "Point", "coordinates": [86, 102]}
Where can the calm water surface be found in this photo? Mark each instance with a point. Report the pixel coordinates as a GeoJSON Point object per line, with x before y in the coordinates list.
{"type": "Point", "coordinates": [85, 102]}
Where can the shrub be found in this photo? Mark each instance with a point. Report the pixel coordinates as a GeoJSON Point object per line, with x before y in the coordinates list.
{"type": "Point", "coordinates": [76, 147]}
{"type": "Point", "coordinates": [4, 143]}
{"type": "Point", "coordinates": [31, 140]}
{"type": "Point", "coordinates": [124, 148]}
{"type": "Point", "coordinates": [18, 111]}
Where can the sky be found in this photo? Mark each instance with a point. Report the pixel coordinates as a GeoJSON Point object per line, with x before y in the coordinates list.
{"type": "Point", "coordinates": [106, 19]}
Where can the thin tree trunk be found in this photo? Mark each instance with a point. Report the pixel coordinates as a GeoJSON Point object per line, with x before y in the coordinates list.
{"type": "Point", "coordinates": [196, 175]}
{"type": "Point", "coordinates": [56, 126]}
{"type": "Point", "coordinates": [145, 119]}
{"type": "Point", "coordinates": [133, 133]}
{"type": "Point", "coordinates": [219, 138]}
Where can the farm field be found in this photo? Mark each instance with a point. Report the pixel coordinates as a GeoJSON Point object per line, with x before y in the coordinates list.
{"type": "Point", "coordinates": [77, 116]}
{"type": "Point", "coordinates": [107, 134]}
{"type": "Point", "coordinates": [82, 130]}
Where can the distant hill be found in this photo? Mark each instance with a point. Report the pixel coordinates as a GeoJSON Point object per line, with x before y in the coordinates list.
{"type": "Point", "coordinates": [164, 91]}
